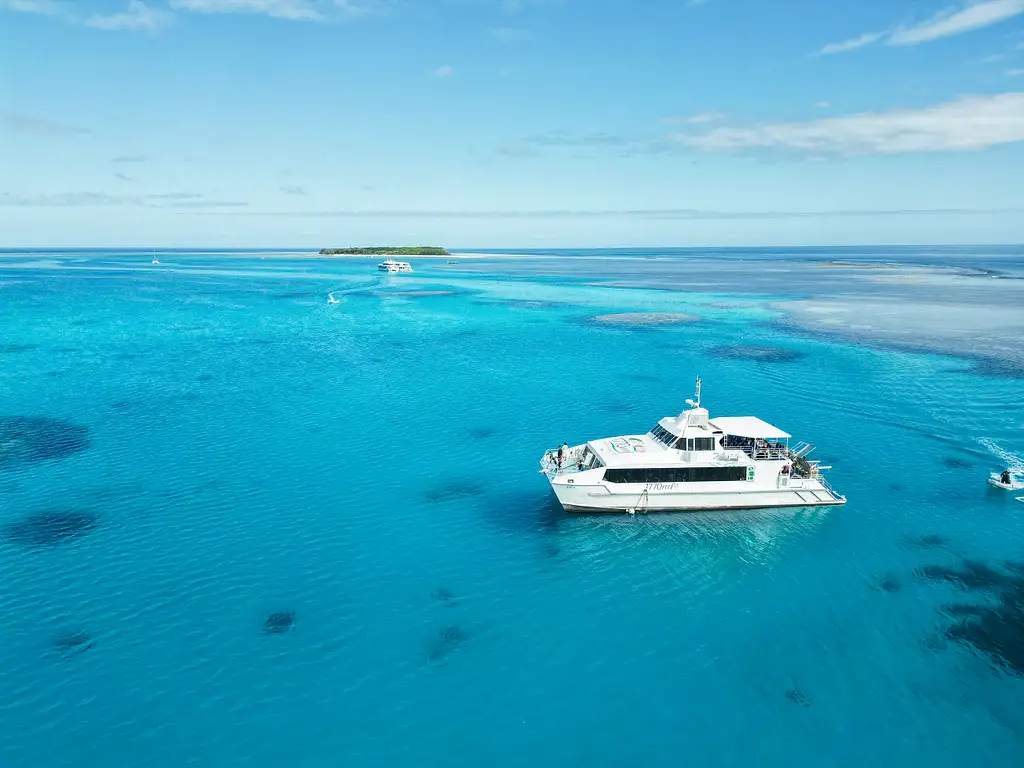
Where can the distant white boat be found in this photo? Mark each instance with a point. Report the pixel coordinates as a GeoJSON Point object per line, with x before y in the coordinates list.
{"type": "Point", "coordinates": [1015, 484]}
{"type": "Point", "coordinates": [155, 259]}
{"type": "Point", "coordinates": [391, 266]}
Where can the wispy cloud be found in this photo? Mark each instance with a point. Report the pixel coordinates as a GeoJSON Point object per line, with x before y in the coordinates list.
{"type": "Point", "coordinates": [511, 34]}
{"type": "Point", "coordinates": [445, 70]}
{"type": "Point", "coordinates": [41, 7]}
{"type": "Point", "coordinates": [138, 15]}
{"type": "Point", "coordinates": [131, 159]}
{"type": "Point", "coordinates": [87, 199]}
{"type": "Point", "coordinates": [970, 122]}
{"type": "Point", "coordinates": [123, 176]}
{"type": "Point", "coordinates": [293, 190]}
{"type": "Point", "coordinates": [687, 214]}
{"type": "Point", "coordinates": [695, 3]}
{"type": "Point", "coordinates": [1014, 72]}
{"type": "Point", "coordinates": [952, 21]}
{"type": "Point", "coordinates": [293, 10]}
{"type": "Point", "coordinates": [853, 43]}
{"type": "Point", "coordinates": [621, 145]}
{"type": "Point", "coordinates": [37, 126]}
{"type": "Point", "coordinates": [696, 119]}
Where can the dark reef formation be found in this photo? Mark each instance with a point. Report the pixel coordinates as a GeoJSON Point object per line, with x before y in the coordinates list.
{"type": "Point", "coordinates": [993, 626]}
{"type": "Point", "coordinates": [73, 643]}
{"type": "Point", "coordinates": [927, 541]}
{"type": "Point", "coordinates": [51, 527]}
{"type": "Point", "coordinates": [444, 595]}
{"type": "Point", "coordinates": [452, 491]}
{"type": "Point", "coordinates": [799, 698]}
{"type": "Point", "coordinates": [758, 354]}
{"type": "Point", "coordinates": [30, 439]}
{"type": "Point", "coordinates": [888, 583]}
{"type": "Point", "coordinates": [13, 349]}
{"type": "Point", "coordinates": [279, 622]}
{"type": "Point", "coordinates": [955, 463]}
{"type": "Point", "coordinates": [448, 640]}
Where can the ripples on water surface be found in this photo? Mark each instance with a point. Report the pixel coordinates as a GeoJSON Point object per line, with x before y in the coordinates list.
{"type": "Point", "coordinates": [242, 525]}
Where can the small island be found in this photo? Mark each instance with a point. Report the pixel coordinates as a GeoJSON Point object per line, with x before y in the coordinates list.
{"type": "Point", "coordinates": [421, 250]}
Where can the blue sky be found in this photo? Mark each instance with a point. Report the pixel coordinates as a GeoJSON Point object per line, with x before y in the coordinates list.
{"type": "Point", "coordinates": [504, 123]}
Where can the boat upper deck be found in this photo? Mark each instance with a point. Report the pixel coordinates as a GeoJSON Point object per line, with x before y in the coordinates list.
{"type": "Point", "coordinates": [692, 438]}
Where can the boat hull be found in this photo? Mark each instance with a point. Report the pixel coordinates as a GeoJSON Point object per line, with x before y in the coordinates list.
{"type": "Point", "coordinates": [597, 498]}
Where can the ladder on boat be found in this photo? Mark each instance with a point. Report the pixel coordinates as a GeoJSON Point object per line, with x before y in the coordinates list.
{"type": "Point", "coordinates": [642, 503]}
{"type": "Point", "coordinates": [801, 449]}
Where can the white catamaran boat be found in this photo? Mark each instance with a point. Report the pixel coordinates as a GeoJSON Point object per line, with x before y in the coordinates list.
{"type": "Point", "coordinates": [689, 462]}
{"type": "Point", "coordinates": [391, 266]}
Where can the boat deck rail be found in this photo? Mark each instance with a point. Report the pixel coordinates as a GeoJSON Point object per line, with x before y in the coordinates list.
{"type": "Point", "coordinates": [759, 450]}
{"type": "Point", "coordinates": [569, 466]}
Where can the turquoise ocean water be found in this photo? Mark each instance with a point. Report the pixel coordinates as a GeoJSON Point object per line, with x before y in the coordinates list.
{"type": "Point", "coordinates": [240, 525]}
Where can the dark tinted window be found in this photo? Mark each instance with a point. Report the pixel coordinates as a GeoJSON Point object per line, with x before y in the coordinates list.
{"type": "Point", "coordinates": [676, 475]}
{"type": "Point", "coordinates": [705, 444]}
{"type": "Point", "coordinates": [662, 435]}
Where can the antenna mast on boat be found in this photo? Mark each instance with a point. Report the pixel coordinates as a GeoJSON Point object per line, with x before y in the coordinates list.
{"type": "Point", "coordinates": [696, 402]}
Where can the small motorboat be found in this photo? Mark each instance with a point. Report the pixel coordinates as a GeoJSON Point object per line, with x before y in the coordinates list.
{"type": "Point", "coordinates": [1015, 484]}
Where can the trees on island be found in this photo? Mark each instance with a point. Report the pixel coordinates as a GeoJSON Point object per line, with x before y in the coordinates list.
{"type": "Point", "coordinates": [422, 250]}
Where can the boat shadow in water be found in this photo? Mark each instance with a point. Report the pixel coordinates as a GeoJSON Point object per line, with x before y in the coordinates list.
{"type": "Point", "coordinates": [538, 518]}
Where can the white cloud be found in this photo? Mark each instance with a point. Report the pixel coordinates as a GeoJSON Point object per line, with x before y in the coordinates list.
{"type": "Point", "coordinates": [138, 15]}
{"type": "Point", "coordinates": [700, 118]}
{"type": "Point", "coordinates": [1015, 72]}
{"type": "Point", "coordinates": [294, 10]}
{"type": "Point", "coordinates": [43, 7]}
{"type": "Point", "coordinates": [976, 15]}
{"type": "Point", "coordinates": [970, 122]}
{"type": "Point", "coordinates": [445, 70]}
{"type": "Point", "coordinates": [853, 43]}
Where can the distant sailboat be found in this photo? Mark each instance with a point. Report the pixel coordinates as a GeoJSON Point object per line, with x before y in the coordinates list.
{"type": "Point", "coordinates": [155, 259]}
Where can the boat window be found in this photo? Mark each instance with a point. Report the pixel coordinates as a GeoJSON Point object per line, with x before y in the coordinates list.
{"type": "Point", "coordinates": [705, 444]}
{"type": "Point", "coordinates": [663, 436]}
{"type": "Point", "coordinates": [676, 475]}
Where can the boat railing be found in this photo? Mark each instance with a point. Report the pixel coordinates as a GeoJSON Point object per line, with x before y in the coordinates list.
{"type": "Point", "coordinates": [816, 475]}
{"type": "Point", "coordinates": [762, 450]}
{"type": "Point", "coordinates": [568, 466]}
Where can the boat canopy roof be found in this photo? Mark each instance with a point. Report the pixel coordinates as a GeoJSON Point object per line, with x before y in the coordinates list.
{"type": "Point", "coordinates": [747, 426]}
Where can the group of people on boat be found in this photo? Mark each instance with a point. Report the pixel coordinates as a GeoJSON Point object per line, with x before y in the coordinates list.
{"type": "Point", "coordinates": [561, 458]}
